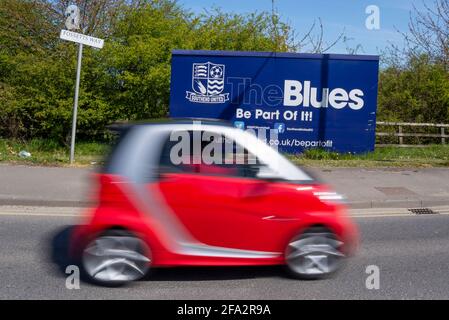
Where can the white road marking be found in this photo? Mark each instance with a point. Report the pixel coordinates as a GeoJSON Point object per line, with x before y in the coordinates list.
{"type": "Point", "coordinates": [65, 212]}
{"type": "Point", "coordinates": [396, 215]}
{"type": "Point", "coordinates": [35, 211]}
{"type": "Point", "coordinates": [29, 214]}
{"type": "Point", "coordinates": [393, 212]}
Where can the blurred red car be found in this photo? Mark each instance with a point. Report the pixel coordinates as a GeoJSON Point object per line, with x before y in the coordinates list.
{"type": "Point", "coordinates": [161, 203]}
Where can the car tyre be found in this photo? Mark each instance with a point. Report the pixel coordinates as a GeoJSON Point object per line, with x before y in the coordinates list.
{"type": "Point", "coordinates": [314, 254]}
{"type": "Point", "coordinates": [115, 258]}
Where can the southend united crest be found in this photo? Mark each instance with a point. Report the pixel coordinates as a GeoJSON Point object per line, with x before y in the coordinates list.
{"type": "Point", "coordinates": [207, 83]}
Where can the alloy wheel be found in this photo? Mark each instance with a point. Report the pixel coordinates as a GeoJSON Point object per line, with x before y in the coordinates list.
{"type": "Point", "coordinates": [314, 254]}
{"type": "Point", "coordinates": [116, 259]}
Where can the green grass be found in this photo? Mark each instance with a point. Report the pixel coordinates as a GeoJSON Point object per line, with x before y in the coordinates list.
{"type": "Point", "coordinates": [51, 153]}
{"type": "Point", "coordinates": [429, 156]}
{"type": "Point", "coordinates": [47, 152]}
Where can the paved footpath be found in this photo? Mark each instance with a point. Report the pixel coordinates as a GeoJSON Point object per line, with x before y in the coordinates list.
{"type": "Point", "coordinates": [364, 188]}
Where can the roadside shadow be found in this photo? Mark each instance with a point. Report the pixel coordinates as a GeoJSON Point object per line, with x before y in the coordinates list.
{"type": "Point", "coordinates": [200, 273]}
{"type": "Point", "coordinates": [58, 248]}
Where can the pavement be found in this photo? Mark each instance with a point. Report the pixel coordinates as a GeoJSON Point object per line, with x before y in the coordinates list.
{"type": "Point", "coordinates": [364, 188]}
{"type": "Point", "coordinates": [390, 187]}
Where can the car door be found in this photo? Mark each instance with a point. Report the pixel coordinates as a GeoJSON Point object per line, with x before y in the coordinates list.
{"type": "Point", "coordinates": [221, 204]}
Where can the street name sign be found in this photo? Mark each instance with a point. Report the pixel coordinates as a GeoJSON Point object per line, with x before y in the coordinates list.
{"type": "Point", "coordinates": [81, 38]}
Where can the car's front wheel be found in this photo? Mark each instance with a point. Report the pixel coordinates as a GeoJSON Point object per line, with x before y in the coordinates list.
{"type": "Point", "coordinates": [115, 257]}
{"type": "Point", "coordinates": [314, 254]}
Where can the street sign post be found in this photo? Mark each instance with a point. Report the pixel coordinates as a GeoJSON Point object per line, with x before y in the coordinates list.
{"type": "Point", "coordinates": [72, 23]}
{"type": "Point", "coordinates": [75, 103]}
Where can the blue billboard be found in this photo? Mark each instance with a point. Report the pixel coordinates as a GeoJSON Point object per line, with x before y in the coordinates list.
{"type": "Point", "coordinates": [311, 100]}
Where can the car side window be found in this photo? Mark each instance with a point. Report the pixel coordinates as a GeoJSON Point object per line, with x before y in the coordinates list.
{"type": "Point", "coordinates": [206, 153]}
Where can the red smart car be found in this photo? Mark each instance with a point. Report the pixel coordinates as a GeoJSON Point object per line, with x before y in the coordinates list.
{"type": "Point", "coordinates": [189, 194]}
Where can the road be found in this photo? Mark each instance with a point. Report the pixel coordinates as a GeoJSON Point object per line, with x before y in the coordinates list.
{"type": "Point", "coordinates": [411, 251]}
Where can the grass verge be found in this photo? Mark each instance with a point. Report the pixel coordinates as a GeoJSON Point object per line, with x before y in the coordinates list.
{"type": "Point", "coordinates": [428, 156]}
{"type": "Point", "coordinates": [49, 153]}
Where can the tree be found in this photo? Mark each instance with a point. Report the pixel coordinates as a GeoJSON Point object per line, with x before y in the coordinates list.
{"type": "Point", "coordinates": [429, 32]}
{"type": "Point", "coordinates": [418, 92]}
{"type": "Point", "coordinates": [127, 80]}
{"type": "Point", "coordinates": [414, 81]}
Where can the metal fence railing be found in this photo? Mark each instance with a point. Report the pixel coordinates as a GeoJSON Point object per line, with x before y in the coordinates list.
{"type": "Point", "coordinates": [415, 134]}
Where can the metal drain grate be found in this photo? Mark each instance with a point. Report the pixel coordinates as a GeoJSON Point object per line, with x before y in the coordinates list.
{"type": "Point", "coordinates": [396, 191]}
{"type": "Point", "coordinates": [422, 211]}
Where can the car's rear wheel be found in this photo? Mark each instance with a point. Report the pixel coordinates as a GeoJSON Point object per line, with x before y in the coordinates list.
{"type": "Point", "coordinates": [314, 254]}
{"type": "Point", "coordinates": [115, 257]}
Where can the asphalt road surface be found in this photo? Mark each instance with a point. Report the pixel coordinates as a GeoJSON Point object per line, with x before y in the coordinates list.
{"type": "Point", "coordinates": [412, 253]}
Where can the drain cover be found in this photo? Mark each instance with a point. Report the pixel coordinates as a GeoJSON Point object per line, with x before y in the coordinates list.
{"type": "Point", "coordinates": [422, 211]}
{"type": "Point", "coordinates": [395, 191]}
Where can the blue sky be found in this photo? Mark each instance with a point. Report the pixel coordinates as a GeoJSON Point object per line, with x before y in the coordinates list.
{"type": "Point", "coordinates": [337, 16]}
